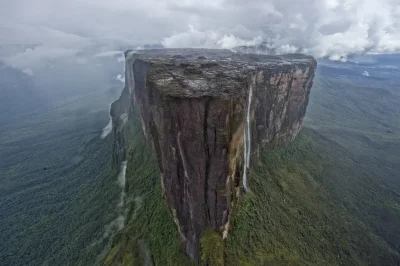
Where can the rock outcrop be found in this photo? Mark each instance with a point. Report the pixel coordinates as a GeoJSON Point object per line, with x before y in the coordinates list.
{"type": "Point", "coordinates": [208, 113]}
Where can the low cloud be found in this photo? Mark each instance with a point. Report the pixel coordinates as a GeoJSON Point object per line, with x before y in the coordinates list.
{"type": "Point", "coordinates": [121, 59]}
{"type": "Point", "coordinates": [365, 74]}
{"type": "Point", "coordinates": [39, 56]}
{"type": "Point", "coordinates": [120, 78]}
{"type": "Point", "coordinates": [324, 28]}
{"type": "Point", "coordinates": [28, 71]}
{"type": "Point", "coordinates": [333, 29]}
{"type": "Point", "coordinates": [26, 46]}
{"type": "Point", "coordinates": [108, 54]}
{"type": "Point", "coordinates": [207, 39]}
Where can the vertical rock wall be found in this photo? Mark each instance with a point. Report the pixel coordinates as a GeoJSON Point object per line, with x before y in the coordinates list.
{"type": "Point", "coordinates": [208, 113]}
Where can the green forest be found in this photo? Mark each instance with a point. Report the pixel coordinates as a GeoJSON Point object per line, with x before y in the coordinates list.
{"type": "Point", "coordinates": [58, 191]}
{"type": "Point", "coordinates": [328, 198]}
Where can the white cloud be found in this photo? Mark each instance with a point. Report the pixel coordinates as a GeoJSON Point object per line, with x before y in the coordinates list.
{"type": "Point", "coordinates": [230, 41]}
{"type": "Point", "coordinates": [323, 28]}
{"type": "Point", "coordinates": [207, 39]}
{"type": "Point", "coordinates": [120, 78]}
{"type": "Point", "coordinates": [108, 54]}
{"type": "Point", "coordinates": [287, 49]}
{"type": "Point", "coordinates": [192, 38]}
{"type": "Point", "coordinates": [121, 59]}
{"type": "Point", "coordinates": [27, 46]}
{"type": "Point", "coordinates": [39, 56]}
{"type": "Point", "coordinates": [28, 71]}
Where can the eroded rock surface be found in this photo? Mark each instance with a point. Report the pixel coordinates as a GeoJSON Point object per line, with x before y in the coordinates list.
{"type": "Point", "coordinates": [208, 113]}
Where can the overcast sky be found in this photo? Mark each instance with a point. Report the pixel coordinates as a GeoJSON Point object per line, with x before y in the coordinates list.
{"type": "Point", "coordinates": [33, 31]}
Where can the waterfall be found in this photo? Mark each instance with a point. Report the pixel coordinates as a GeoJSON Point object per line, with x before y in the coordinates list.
{"type": "Point", "coordinates": [245, 161]}
{"type": "Point", "coordinates": [111, 229]}
{"type": "Point", "coordinates": [118, 223]}
{"type": "Point", "coordinates": [247, 141]}
{"type": "Point", "coordinates": [107, 129]}
{"type": "Point", "coordinates": [248, 126]}
{"type": "Point", "coordinates": [120, 206]}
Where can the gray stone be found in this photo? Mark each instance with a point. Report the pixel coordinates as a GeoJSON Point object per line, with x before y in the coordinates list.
{"type": "Point", "coordinates": [208, 113]}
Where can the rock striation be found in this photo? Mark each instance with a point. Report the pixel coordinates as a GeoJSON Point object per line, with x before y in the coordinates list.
{"type": "Point", "coordinates": [208, 113]}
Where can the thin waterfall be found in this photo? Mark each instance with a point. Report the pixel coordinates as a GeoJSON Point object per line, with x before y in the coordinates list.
{"type": "Point", "coordinates": [248, 126]}
{"type": "Point", "coordinates": [245, 161]}
{"type": "Point", "coordinates": [118, 223]}
{"type": "Point", "coordinates": [107, 129]}
{"type": "Point", "coordinates": [247, 141]}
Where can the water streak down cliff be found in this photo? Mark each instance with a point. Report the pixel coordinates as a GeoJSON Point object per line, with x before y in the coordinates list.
{"type": "Point", "coordinates": [208, 113]}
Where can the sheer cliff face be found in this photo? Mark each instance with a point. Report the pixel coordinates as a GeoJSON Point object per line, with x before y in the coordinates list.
{"type": "Point", "coordinates": [208, 113]}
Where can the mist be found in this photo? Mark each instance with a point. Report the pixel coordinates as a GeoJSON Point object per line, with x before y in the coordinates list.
{"type": "Point", "coordinates": [108, 128]}
{"type": "Point", "coordinates": [34, 33]}
{"type": "Point", "coordinates": [79, 50]}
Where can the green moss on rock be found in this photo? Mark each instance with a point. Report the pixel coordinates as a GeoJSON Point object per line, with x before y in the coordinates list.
{"type": "Point", "coordinates": [212, 248]}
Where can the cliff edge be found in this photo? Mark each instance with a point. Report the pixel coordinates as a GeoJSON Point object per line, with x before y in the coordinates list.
{"type": "Point", "coordinates": [208, 113]}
